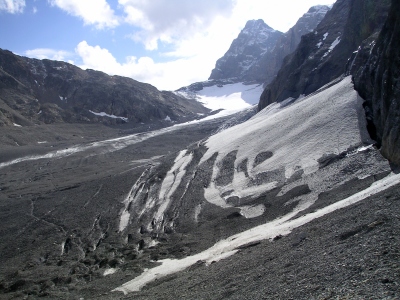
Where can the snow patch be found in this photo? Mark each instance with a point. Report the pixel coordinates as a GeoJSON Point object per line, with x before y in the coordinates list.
{"type": "Point", "coordinates": [234, 96]}
{"type": "Point", "coordinates": [229, 246]}
{"type": "Point", "coordinates": [229, 98]}
{"type": "Point", "coordinates": [167, 118]}
{"type": "Point", "coordinates": [103, 114]}
{"type": "Point", "coordinates": [17, 125]}
{"type": "Point", "coordinates": [335, 43]}
{"type": "Point", "coordinates": [131, 197]}
{"type": "Point", "coordinates": [299, 150]}
{"type": "Point", "coordinates": [197, 212]}
{"type": "Point", "coordinates": [153, 243]}
{"type": "Point", "coordinates": [171, 182]}
{"type": "Point", "coordinates": [110, 271]}
{"type": "Point", "coordinates": [252, 211]}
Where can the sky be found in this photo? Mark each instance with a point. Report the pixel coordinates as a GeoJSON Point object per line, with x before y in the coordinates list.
{"type": "Point", "coordinates": [167, 43]}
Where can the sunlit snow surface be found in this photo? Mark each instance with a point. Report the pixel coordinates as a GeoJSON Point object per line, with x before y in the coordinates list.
{"type": "Point", "coordinates": [229, 246]}
{"type": "Point", "coordinates": [235, 96]}
{"type": "Point", "coordinates": [297, 134]}
{"type": "Point", "coordinates": [229, 98]}
{"type": "Point", "coordinates": [103, 114]}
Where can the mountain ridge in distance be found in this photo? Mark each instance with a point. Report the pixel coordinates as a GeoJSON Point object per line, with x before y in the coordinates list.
{"type": "Point", "coordinates": [36, 91]}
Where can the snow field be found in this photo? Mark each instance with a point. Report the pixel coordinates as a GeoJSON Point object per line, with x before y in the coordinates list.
{"type": "Point", "coordinates": [230, 98]}
{"type": "Point", "coordinates": [171, 183]}
{"type": "Point", "coordinates": [296, 144]}
{"type": "Point", "coordinates": [229, 246]}
{"type": "Point", "coordinates": [103, 114]}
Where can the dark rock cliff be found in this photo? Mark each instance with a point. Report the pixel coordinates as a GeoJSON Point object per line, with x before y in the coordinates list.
{"type": "Point", "coordinates": [253, 41]}
{"type": "Point", "coordinates": [256, 55]}
{"type": "Point", "coordinates": [322, 55]}
{"type": "Point", "coordinates": [266, 68]}
{"type": "Point", "coordinates": [43, 91]}
{"type": "Point", "coordinates": [376, 74]}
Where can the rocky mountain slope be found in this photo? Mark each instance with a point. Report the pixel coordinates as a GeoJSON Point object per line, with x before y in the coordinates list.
{"type": "Point", "coordinates": [322, 55]}
{"type": "Point", "coordinates": [375, 68]}
{"type": "Point", "coordinates": [43, 91]}
{"type": "Point", "coordinates": [265, 69]}
{"type": "Point", "coordinates": [255, 57]}
{"type": "Point", "coordinates": [128, 214]}
{"type": "Point", "coordinates": [296, 202]}
{"type": "Point", "coordinates": [256, 39]}
{"type": "Point", "coordinates": [257, 53]}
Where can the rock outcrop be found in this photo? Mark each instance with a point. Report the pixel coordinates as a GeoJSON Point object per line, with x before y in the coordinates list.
{"type": "Point", "coordinates": [256, 55]}
{"type": "Point", "coordinates": [322, 55]}
{"type": "Point", "coordinates": [43, 91]}
{"type": "Point", "coordinates": [256, 39]}
{"type": "Point", "coordinates": [376, 74]}
{"type": "Point", "coordinates": [266, 68]}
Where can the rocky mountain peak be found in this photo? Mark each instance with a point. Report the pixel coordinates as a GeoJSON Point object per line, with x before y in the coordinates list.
{"type": "Point", "coordinates": [321, 56]}
{"type": "Point", "coordinates": [256, 28]}
{"type": "Point", "coordinates": [36, 91]}
{"type": "Point", "coordinates": [256, 55]}
{"type": "Point", "coordinates": [253, 41]}
{"type": "Point", "coordinates": [265, 70]}
{"type": "Point", "coordinates": [317, 9]}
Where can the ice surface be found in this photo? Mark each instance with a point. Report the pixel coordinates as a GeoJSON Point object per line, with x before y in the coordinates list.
{"type": "Point", "coordinates": [242, 97]}
{"type": "Point", "coordinates": [229, 246]}
{"type": "Point", "coordinates": [331, 127]}
{"type": "Point", "coordinates": [105, 146]}
{"type": "Point", "coordinates": [171, 182]}
{"type": "Point", "coordinates": [110, 271]}
{"type": "Point", "coordinates": [234, 97]}
{"type": "Point", "coordinates": [332, 46]}
{"type": "Point", "coordinates": [252, 211]}
{"type": "Point", "coordinates": [335, 43]}
{"type": "Point", "coordinates": [103, 114]}
{"type": "Point", "coordinates": [131, 197]}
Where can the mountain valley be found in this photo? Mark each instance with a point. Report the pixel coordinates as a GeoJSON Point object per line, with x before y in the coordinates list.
{"type": "Point", "coordinates": [278, 178]}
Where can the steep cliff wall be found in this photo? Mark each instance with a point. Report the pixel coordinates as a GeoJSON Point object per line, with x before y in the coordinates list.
{"type": "Point", "coordinates": [376, 75]}
{"type": "Point", "coordinates": [36, 91]}
{"type": "Point", "coordinates": [322, 55]}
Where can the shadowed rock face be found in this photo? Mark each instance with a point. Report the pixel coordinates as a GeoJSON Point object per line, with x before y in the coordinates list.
{"type": "Point", "coordinates": [322, 55]}
{"type": "Point", "coordinates": [43, 91]}
{"type": "Point", "coordinates": [266, 68]}
{"type": "Point", "coordinates": [376, 73]}
{"type": "Point", "coordinates": [256, 55]}
{"type": "Point", "coordinates": [253, 41]}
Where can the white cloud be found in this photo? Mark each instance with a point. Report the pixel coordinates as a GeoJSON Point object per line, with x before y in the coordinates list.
{"type": "Point", "coordinates": [169, 21]}
{"type": "Point", "coordinates": [34, 10]}
{"type": "Point", "coordinates": [46, 53]}
{"type": "Point", "coordinates": [92, 12]}
{"type": "Point", "coordinates": [12, 6]}
{"type": "Point", "coordinates": [167, 75]}
{"type": "Point", "coordinates": [279, 14]}
{"type": "Point", "coordinates": [198, 33]}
